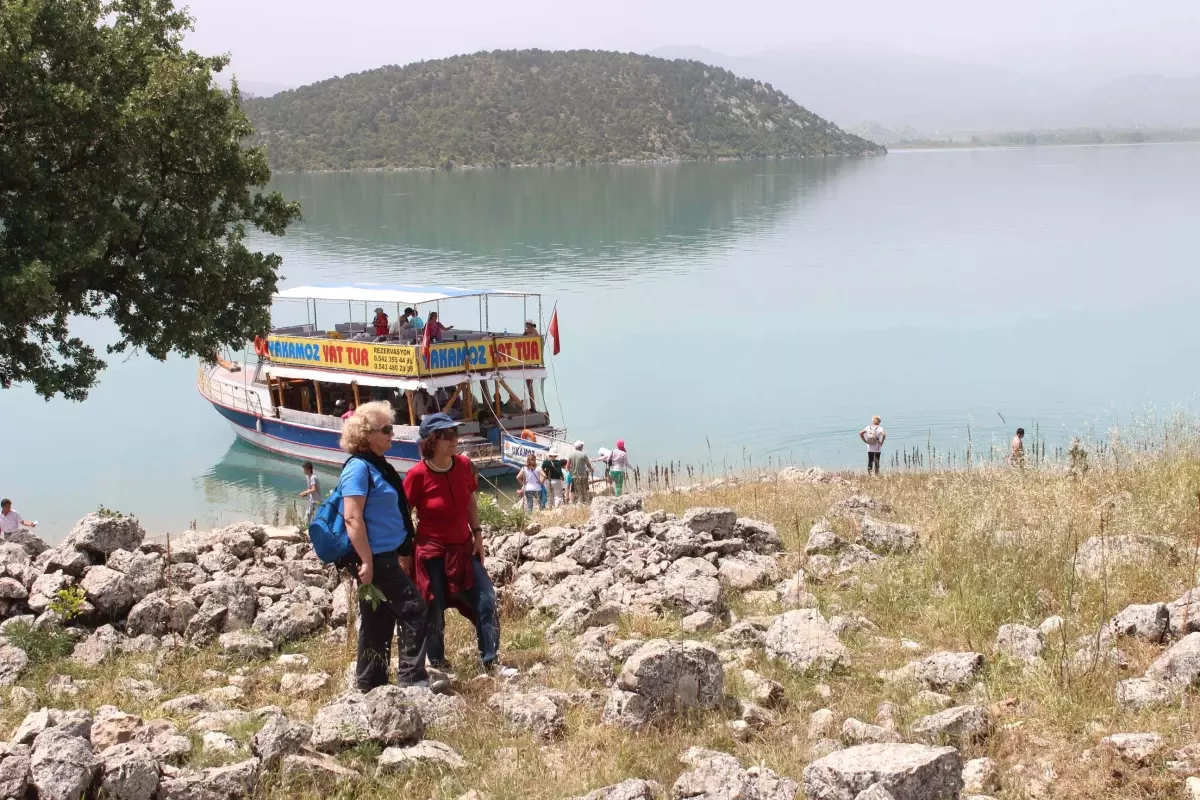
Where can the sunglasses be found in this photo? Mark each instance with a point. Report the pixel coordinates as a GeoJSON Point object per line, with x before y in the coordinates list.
{"type": "Point", "coordinates": [385, 429]}
{"type": "Point", "coordinates": [449, 433]}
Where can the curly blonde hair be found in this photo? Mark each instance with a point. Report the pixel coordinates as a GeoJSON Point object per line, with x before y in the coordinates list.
{"type": "Point", "coordinates": [368, 417]}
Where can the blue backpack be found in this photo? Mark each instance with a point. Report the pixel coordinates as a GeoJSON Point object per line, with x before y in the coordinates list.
{"type": "Point", "coordinates": [327, 531]}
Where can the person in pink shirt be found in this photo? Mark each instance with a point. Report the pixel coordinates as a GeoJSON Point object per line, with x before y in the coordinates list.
{"type": "Point", "coordinates": [434, 327]}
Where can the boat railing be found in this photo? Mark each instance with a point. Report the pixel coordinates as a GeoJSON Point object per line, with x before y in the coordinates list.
{"type": "Point", "coordinates": [232, 395]}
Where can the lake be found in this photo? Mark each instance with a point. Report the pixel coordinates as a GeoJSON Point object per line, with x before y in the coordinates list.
{"type": "Point", "coordinates": [724, 315]}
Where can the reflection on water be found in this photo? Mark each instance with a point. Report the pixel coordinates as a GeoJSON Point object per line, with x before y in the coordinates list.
{"type": "Point", "coordinates": [598, 224]}
{"type": "Point", "coordinates": [248, 483]}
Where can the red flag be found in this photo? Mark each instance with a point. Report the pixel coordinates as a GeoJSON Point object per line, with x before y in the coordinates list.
{"type": "Point", "coordinates": [554, 331]}
{"type": "Point", "coordinates": [426, 343]}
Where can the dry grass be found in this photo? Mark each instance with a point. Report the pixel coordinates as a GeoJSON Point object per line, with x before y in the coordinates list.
{"type": "Point", "coordinates": [954, 594]}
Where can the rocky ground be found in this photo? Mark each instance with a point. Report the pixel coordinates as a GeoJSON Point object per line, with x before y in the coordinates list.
{"type": "Point", "coordinates": [932, 636]}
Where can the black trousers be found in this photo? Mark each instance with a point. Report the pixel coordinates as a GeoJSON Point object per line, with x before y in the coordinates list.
{"type": "Point", "coordinates": [402, 616]}
{"type": "Point", "coordinates": [873, 462]}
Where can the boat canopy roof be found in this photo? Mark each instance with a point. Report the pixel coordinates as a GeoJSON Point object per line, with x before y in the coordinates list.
{"type": "Point", "coordinates": [388, 293]}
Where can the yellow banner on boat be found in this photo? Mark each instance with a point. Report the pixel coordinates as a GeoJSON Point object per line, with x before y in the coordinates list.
{"type": "Point", "coordinates": [406, 360]}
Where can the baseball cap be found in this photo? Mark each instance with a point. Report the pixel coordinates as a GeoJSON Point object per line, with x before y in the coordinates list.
{"type": "Point", "coordinates": [432, 423]}
{"type": "Point", "coordinates": [579, 444]}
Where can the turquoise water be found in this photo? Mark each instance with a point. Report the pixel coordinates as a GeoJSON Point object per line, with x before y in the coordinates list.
{"type": "Point", "coordinates": [722, 314]}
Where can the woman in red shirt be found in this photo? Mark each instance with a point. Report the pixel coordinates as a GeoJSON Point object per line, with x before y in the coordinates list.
{"type": "Point", "coordinates": [381, 322]}
{"type": "Point", "coordinates": [449, 542]}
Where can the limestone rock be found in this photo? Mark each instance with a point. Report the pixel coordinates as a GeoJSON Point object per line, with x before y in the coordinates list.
{"type": "Point", "coordinates": [1136, 748]}
{"type": "Point", "coordinates": [537, 713]}
{"type": "Point", "coordinates": [301, 684]}
{"type": "Point", "coordinates": [13, 662]}
{"type": "Point", "coordinates": [159, 613]}
{"type": "Point", "coordinates": [112, 727]}
{"type": "Point", "coordinates": [906, 771]}
{"type": "Point", "coordinates": [437, 710]}
{"type": "Point", "coordinates": [719, 776]}
{"type": "Point", "coordinates": [804, 640]}
{"type": "Point", "coordinates": [1144, 693]}
{"type": "Point", "coordinates": [1121, 551]}
{"type": "Point", "coordinates": [130, 772]}
{"type": "Point", "coordinates": [762, 689]}
{"type": "Point", "coordinates": [887, 537]}
{"type": "Point", "coordinates": [1021, 643]}
{"type": "Point", "coordinates": [108, 590]}
{"type": "Point", "coordinates": [626, 710]}
{"type": "Point", "coordinates": [958, 726]}
{"type": "Point", "coordinates": [761, 537]}
{"type": "Point", "coordinates": [1149, 622]}
{"type": "Point", "coordinates": [239, 600]}
{"type": "Point", "coordinates": [588, 550]}
{"type": "Point", "coordinates": [285, 621]}
{"type": "Point", "coordinates": [1179, 666]}
{"type": "Point", "coordinates": [425, 753]}
{"type": "Point", "coordinates": [875, 792]}
{"type": "Point", "coordinates": [674, 674]}
{"type": "Point", "coordinates": [822, 724]}
{"type": "Point", "coordinates": [822, 540]}
{"type": "Point", "coordinates": [245, 645]}
{"type": "Point", "coordinates": [232, 782]}
{"type": "Point", "coordinates": [279, 737]}
{"type": "Point", "coordinates": [747, 570]}
{"type": "Point", "coordinates": [855, 731]}
{"type": "Point", "coordinates": [382, 715]}
{"type": "Point", "coordinates": [632, 789]}
{"type": "Point", "coordinates": [981, 776]}
{"type": "Point", "coordinates": [14, 769]}
{"type": "Point", "coordinates": [102, 534]}
{"type": "Point", "coordinates": [697, 623]}
{"type": "Point", "coordinates": [944, 672]}
{"type": "Point", "coordinates": [1184, 613]}
{"type": "Point", "coordinates": [99, 646]}
{"type": "Point", "coordinates": [717, 522]}
{"type": "Point", "coordinates": [592, 662]}
{"type": "Point", "coordinates": [691, 585]}
{"type": "Point", "coordinates": [62, 766]}
{"type": "Point", "coordinates": [143, 570]}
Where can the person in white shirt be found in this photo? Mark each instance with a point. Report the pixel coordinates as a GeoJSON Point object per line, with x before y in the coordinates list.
{"type": "Point", "coordinates": [312, 492]}
{"type": "Point", "coordinates": [10, 521]}
{"type": "Point", "coordinates": [873, 436]}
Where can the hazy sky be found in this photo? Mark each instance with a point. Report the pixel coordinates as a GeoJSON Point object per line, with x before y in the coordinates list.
{"type": "Point", "coordinates": [299, 41]}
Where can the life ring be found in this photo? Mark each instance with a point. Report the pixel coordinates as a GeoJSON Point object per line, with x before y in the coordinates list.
{"type": "Point", "coordinates": [260, 346]}
{"type": "Point", "coordinates": [528, 435]}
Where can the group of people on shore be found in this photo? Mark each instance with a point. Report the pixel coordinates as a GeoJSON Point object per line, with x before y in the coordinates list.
{"type": "Point", "coordinates": [559, 480]}
{"type": "Point", "coordinates": [873, 436]}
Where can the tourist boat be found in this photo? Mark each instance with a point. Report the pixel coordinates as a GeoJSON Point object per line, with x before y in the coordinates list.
{"type": "Point", "coordinates": [287, 396]}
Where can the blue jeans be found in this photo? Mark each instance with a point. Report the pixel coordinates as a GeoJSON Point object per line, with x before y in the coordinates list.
{"type": "Point", "coordinates": [530, 499]}
{"type": "Point", "coordinates": [480, 598]}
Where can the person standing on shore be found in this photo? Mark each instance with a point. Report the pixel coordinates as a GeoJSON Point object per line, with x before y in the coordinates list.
{"type": "Point", "coordinates": [10, 521]}
{"type": "Point", "coordinates": [581, 474]}
{"type": "Point", "coordinates": [313, 492]}
{"type": "Point", "coordinates": [873, 435]}
{"type": "Point", "coordinates": [1016, 455]}
{"type": "Point", "coordinates": [552, 468]}
{"type": "Point", "coordinates": [533, 484]}
{"type": "Point", "coordinates": [618, 465]}
{"type": "Point", "coordinates": [449, 567]}
{"type": "Point", "coordinates": [380, 528]}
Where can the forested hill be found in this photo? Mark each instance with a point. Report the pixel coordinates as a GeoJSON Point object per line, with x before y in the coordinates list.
{"type": "Point", "coordinates": [513, 107]}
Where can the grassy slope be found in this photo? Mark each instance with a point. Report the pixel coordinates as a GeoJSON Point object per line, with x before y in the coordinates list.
{"type": "Point", "coordinates": [953, 595]}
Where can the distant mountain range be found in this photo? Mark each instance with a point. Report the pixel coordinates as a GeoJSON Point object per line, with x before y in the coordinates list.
{"type": "Point", "coordinates": [512, 107]}
{"type": "Point", "coordinates": [902, 90]}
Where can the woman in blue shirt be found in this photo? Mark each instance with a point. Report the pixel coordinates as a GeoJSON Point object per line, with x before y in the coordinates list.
{"type": "Point", "coordinates": [380, 527]}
